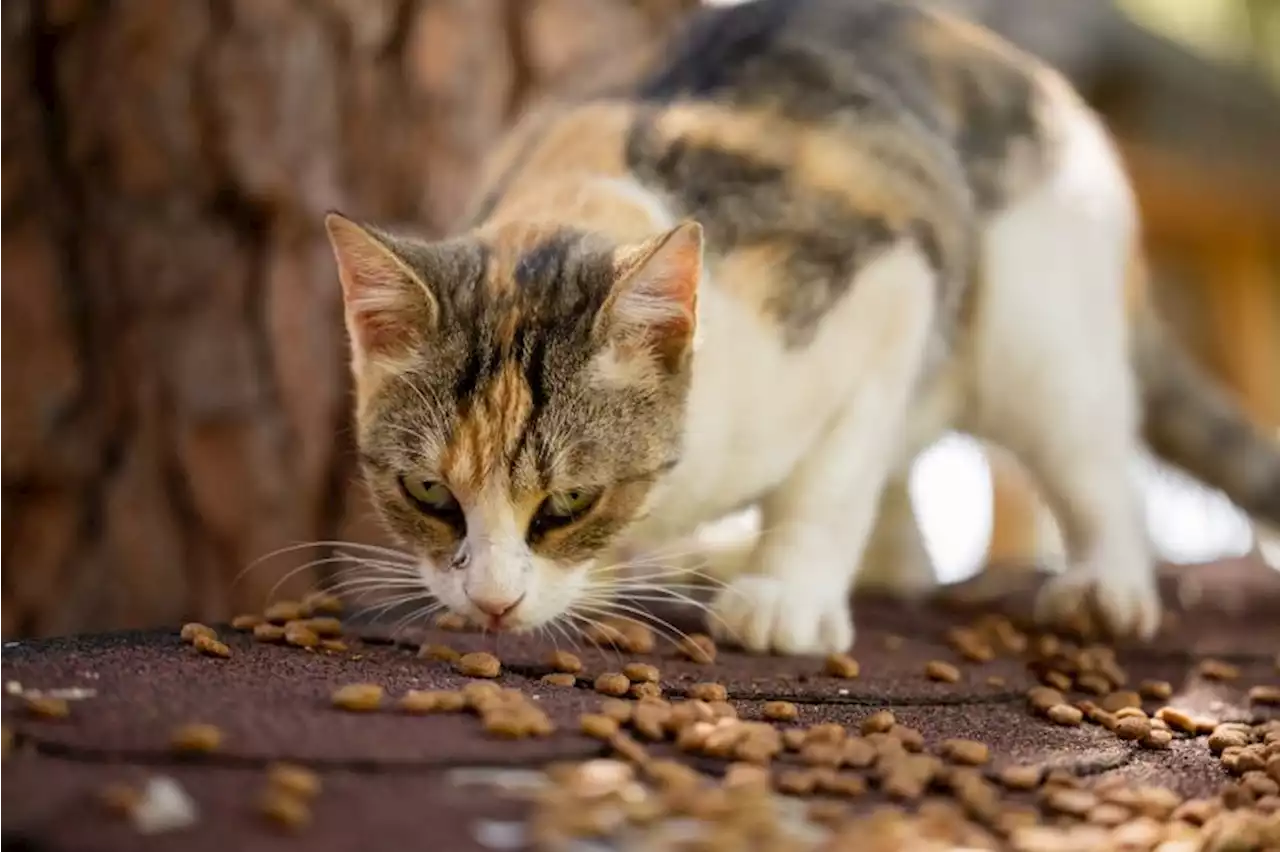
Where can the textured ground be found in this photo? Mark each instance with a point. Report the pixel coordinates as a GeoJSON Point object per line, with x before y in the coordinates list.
{"type": "Point", "coordinates": [395, 780]}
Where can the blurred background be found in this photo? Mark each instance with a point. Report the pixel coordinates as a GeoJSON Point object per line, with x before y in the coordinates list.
{"type": "Point", "coordinates": [174, 385]}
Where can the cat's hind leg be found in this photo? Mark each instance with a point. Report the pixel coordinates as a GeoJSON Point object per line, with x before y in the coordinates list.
{"type": "Point", "coordinates": [1053, 378]}
{"type": "Point", "coordinates": [815, 526]}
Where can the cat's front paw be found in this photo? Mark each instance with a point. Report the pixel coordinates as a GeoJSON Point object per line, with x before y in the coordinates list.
{"type": "Point", "coordinates": [767, 614]}
{"type": "Point", "coordinates": [1125, 602]}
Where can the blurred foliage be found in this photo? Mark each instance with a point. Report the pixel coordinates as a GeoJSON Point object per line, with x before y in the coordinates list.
{"type": "Point", "coordinates": [1245, 32]}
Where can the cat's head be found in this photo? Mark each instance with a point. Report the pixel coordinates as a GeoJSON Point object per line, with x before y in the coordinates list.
{"type": "Point", "coordinates": [518, 393]}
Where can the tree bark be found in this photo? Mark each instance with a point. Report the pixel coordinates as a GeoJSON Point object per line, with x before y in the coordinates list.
{"type": "Point", "coordinates": [175, 385]}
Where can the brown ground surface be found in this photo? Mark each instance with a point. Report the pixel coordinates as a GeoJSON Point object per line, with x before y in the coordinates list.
{"type": "Point", "coordinates": [396, 781]}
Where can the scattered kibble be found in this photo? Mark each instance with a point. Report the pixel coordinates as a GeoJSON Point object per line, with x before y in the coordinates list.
{"type": "Point", "coordinates": [646, 689]}
{"type": "Point", "coordinates": [333, 645]}
{"type": "Point", "coordinates": [1269, 695]}
{"type": "Point", "coordinates": [211, 647]}
{"type": "Point", "coordinates": [966, 752]}
{"type": "Point", "coordinates": [598, 726]}
{"type": "Point", "coordinates": [282, 612]}
{"type": "Point", "coordinates": [1218, 670]}
{"type": "Point", "coordinates": [559, 679]}
{"type": "Point", "coordinates": [285, 811]}
{"type": "Point", "coordinates": [565, 662]}
{"type": "Point", "coordinates": [196, 738]}
{"type": "Point", "coordinates": [942, 672]}
{"type": "Point", "coordinates": [1064, 714]}
{"type": "Point", "coordinates": [193, 629]}
{"type": "Point", "coordinates": [268, 633]}
{"type": "Point", "coordinates": [120, 799]}
{"type": "Point", "coordinates": [841, 666]}
{"type": "Point", "coordinates": [996, 682]}
{"type": "Point", "coordinates": [451, 621]}
{"type": "Point", "coordinates": [879, 722]}
{"type": "Point", "coordinates": [707, 692]}
{"type": "Point", "coordinates": [299, 635]}
{"type": "Point", "coordinates": [323, 626]}
{"type": "Point", "coordinates": [358, 697]}
{"type": "Point", "coordinates": [1159, 690]}
{"type": "Point", "coordinates": [46, 707]}
{"type": "Point", "coordinates": [479, 664]}
{"type": "Point", "coordinates": [1020, 777]}
{"type": "Point", "coordinates": [1132, 727]}
{"type": "Point", "coordinates": [640, 672]}
{"type": "Point", "coordinates": [699, 648]}
{"type": "Point", "coordinates": [612, 683]}
{"type": "Point", "coordinates": [293, 779]}
{"type": "Point", "coordinates": [781, 711]}
{"type": "Point", "coordinates": [432, 701]}
{"type": "Point", "coordinates": [246, 622]}
{"type": "Point", "coordinates": [443, 653]}
{"type": "Point", "coordinates": [1177, 719]}
{"type": "Point", "coordinates": [1041, 698]}
{"type": "Point", "coordinates": [1157, 738]}
{"type": "Point", "coordinates": [1121, 700]}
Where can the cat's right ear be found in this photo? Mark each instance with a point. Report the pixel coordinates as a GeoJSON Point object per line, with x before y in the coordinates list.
{"type": "Point", "coordinates": [388, 307]}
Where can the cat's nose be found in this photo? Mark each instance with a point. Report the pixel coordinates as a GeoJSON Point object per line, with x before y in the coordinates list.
{"type": "Point", "coordinates": [495, 608]}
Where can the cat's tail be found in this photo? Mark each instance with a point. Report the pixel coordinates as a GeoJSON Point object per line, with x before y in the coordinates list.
{"type": "Point", "coordinates": [1190, 421]}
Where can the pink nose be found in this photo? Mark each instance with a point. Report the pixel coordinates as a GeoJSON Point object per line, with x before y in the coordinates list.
{"type": "Point", "coordinates": [496, 607]}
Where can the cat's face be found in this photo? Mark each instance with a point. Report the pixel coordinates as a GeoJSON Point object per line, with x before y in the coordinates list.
{"type": "Point", "coordinates": [518, 394]}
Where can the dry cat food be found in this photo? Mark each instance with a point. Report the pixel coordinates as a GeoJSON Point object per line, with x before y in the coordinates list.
{"type": "Point", "coordinates": [195, 738]}
{"type": "Point", "coordinates": [193, 629]}
{"type": "Point", "coordinates": [598, 726]}
{"type": "Point", "coordinates": [1157, 738]}
{"type": "Point", "coordinates": [565, 662]}
{"type": "Point", "coordinates": [941, 671]}
{"type": "Point", "coordinates": [841, 666]}
{"type": "Point", "coordinates": [322, 603]}
{"type": "Point", "coordinates": [619, 711]}
{"type": "Point", "coordinates": [281, 612]}
{"type": "Point", "coordinates": [1121, 700]}
{"type": "Point", "coordinates": [299, 635]}
{"type": "Point", "coordinates": [358, 697]}
{"type": "Point", "coordinates": [612, 683]}
{"type": "Point", "coordinates": [119, 799]}
{"type": "Point", "coordinates": [880, 722]}
{"type": "Point", "coordinates": [1265, 695]}
{"type": "Point", "coordinates": [294, 780]}
{"type": "Point", "coordinates": [479, 664]}
{"type": "Point", "coordinates": [1019, 777]}
{"type": "Point", "coordinates": [211, 647]}
{"type": "Point", "coordinates": [641, 672]}
{"type": "Point", "coordinates": [698, 647]}
{"type": "Point", "coordinates": [323, 626]}
{"type": "Point", "coordinates": [1177, 719]}
{"type": "Point", "coordinates": [443, 653]}
{"type": "Point", "coordinates": [966, 752]}
{"type": "Point", "coordinates": [1132, 727]}
{"type": "Point", "coordinates": [1064, 714]}
{"type": "Point", "coordinates": [335, 646]}
{"type": "Point", "coordinates": [450, 621]}
{"type": "Point", "coordinates": [781, 711]}
{"type": "Point", "coordinates": [246, 622]}
{"type": "Point", "coordinates": [285, 811]}
{"type": "Point", "coordinates": [432, 701]}
{"type": "Point", "coordinates": [46, 707]}
{"type": "Point", "coordinates": [267, 632]}
{"type": "Point", "coordinates": [1160, 690]}
{"type": "Point", "coordinates": [559, 679]}
{"type": "Point", "coordinates": [1218, 670]}
{"type": "Point", "coordinates": [707, 692]}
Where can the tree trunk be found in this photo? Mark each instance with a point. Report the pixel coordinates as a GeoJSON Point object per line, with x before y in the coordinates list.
{"type": "Point", "coordinates": [175, 387]}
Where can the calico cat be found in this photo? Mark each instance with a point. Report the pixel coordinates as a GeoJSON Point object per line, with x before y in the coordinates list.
{"type": "Point", "coordinates": [814, 235]}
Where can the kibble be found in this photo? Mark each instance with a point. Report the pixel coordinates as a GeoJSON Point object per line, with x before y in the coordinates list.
{"type": "Point", "coordinates": [841, 666]}
{"type": "Point", "coordinates": [1064, 714]}
{"type": "Point", "coordinates": [211, 647]}
{"type": "Point", "coordinates": [358, 697]}
{"type": "Point", "coordinates": [1224, 738]}
{"type": "Point", "coordinates": [294, 780]}
{"type": "Point", "coordinates": [941, 671]}
{"type": "Point", "coordinates": [284, 611]}
{"type": "Point", "coordinates": [246, 622]}
{"type": "Point", "coordinates": [1157, 738]}
{"type": "Point", "coordinates": [1056, 680]}
{"type": "Point", "coordinates": [564, 662]}
{"type": "Point", "coordinates": [266, 632]}
{"type": "Point", "coordinates": [559, 679]}
{"type": "Point", "coordinates": [1177, 720]}
{"type": "Point", "coordinates": [450, 621]}
{"type": "Point", "coordinates": [1159, 690]}
{"type": "Point", "coordinates": [1041, 698]}
{"type": "Point", "coordinates": [619, 711]}
{"type": "Point", "coordinates": [996, 682]}
{"type": "Point", "coordinates": [1073, 802]}
{"type": "Point", "coordinates": [120, 799]}
{"type": "Point", "coordinates": [324, 626]}
{"type": "Point", "coordinates": [966, 752]}
{"type": "Point", "coordinates": [911, 739]}
{"type": "Point", "coordinates": [46, 707]}
{"type": "Point", "coordinates": [640, 673]}
{"type": "Point", "coordinates": [612, 683]}
{"type": "Point", "coordinates": [781, 711]}
{"type": "Point", "coordinates": [707, 692]}
{"type": "Point", "coordinates": [479, 664]}
{"type": "Point", "coordinates": [879, 722]}
{"type": "Point", "coordinates": [285, 811]}
{"type": "Point", "coordinates": [335, 646]}
{"type": "Point", "coordinates": [645, 690]}
{"type": "Point", "coordinates": [193, 629]}
{"type": "Point", "coordinates": [1121, 700]}
{"type": "Point", "coordinates": [637, 638]}
{"type": "Point", "coordinates": [195, 738]}
{"type": "Point", "coordinates": [1269, 695]}
{"type": "Point", "coordinates": [1019, 777]}
{"type": "Point", "coordinates": [432, 701]}
{"type": "Point", "coordinates": [1218, 670]}
{"type": "Point", "coordinates": [299, 635]}
{"type": "Point", "coordinates": [322, 603]}
{"type": "Point", "coordinates": [699, 648]}
{"type": "Point", "coordinates": [1093, 683]}
{"type": "Point", "coordinates": [1132, 728]}
{"type": "Point", "coordinates": [443, 653]}
{"type": "Point", "coordinates": [598, 726]}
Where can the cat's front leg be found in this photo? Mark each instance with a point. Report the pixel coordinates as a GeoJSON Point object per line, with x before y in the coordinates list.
{"type": "Point", "coordinates": [816, 525]}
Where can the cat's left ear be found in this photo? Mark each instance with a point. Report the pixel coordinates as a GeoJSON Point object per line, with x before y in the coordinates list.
{"type": "Point", "coordinates": [389, 308]}
{"type": "Point", "coordinates": [654, 301]}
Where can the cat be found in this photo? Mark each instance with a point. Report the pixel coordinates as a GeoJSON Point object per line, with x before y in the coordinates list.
{"type": "Point", "coordinates": [808, 240]}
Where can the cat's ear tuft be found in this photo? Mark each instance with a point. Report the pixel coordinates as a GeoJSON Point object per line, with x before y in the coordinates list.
{"type": "Point", "coordinates": [388, 306]}
{"type": "Point", "coordinates": [654, 302]}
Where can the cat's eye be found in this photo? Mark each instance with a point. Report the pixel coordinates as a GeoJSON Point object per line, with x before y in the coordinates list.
{"type": "Point", "coordinates": [431, 498]}
{"type": "Point", "coordinates": [562, 509]}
